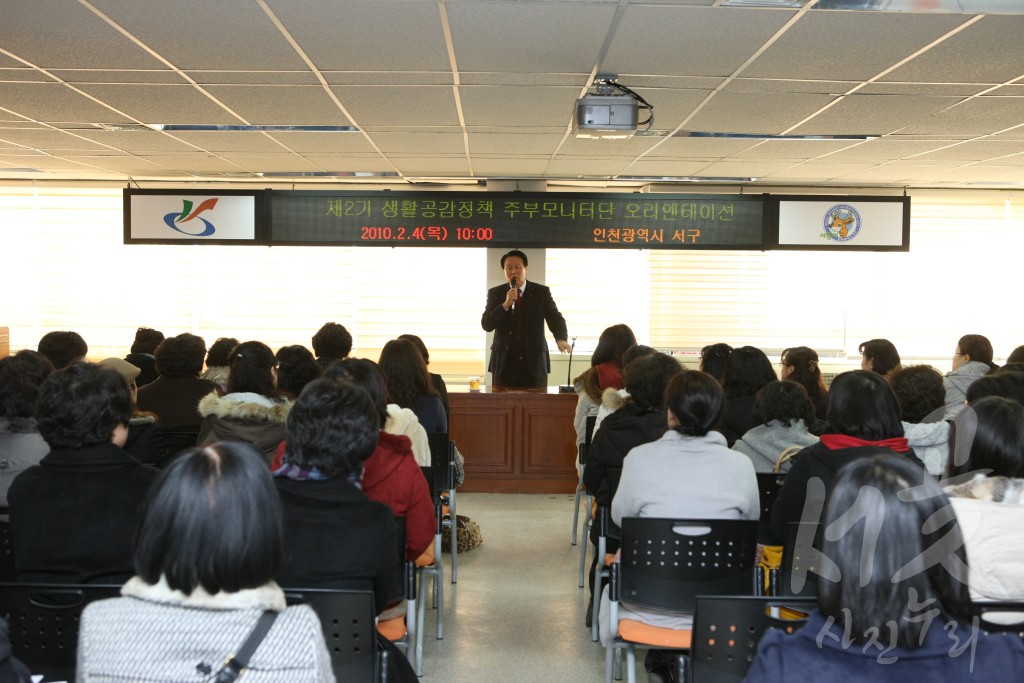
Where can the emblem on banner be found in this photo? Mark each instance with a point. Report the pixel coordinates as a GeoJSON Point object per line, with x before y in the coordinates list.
{"type": "Point", "coordinates": [175, 220]}
{"type": "Point", "coordinates": [841, 223]}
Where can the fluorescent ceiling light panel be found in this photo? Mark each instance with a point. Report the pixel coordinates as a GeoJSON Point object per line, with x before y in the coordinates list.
{"type": "Point", "coordinates": [768, 136]}
{"type": "Point", "coordinates": [329, 174]}
{"type": "Point", "coordinates": [195, 127]}
{"type": "Point", "coordinates": [683, 179]}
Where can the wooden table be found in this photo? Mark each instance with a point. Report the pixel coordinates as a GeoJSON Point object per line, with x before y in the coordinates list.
{"type": "Point", "coordinates": [515, 442]}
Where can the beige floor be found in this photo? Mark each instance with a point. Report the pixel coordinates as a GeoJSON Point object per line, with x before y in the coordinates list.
{"type": "Point", "coordinates": [516, 613]}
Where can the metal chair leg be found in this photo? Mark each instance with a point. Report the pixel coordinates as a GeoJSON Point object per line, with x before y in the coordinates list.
{"type": "Point", "coordinates": [576, 506]}
{"type": "Point", "coordinates": [453, 537]}
{"type": "Point", "coordinates": [586, 536]}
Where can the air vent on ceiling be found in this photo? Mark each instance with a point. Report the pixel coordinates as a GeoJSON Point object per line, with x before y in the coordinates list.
{"type": "Point", "coordinates": [652, 133]}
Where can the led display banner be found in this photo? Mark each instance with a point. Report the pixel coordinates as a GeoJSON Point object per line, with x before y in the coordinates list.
{"type": "Point", "coordinates": [506, 220]}
{"type": "Point", "coordinates": [840, 223]}
{"type": "Point", "coordinates": [176, 216]}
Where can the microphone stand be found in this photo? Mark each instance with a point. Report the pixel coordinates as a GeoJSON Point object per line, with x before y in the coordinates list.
{"type": "Point", "coordinates": [568, 388]}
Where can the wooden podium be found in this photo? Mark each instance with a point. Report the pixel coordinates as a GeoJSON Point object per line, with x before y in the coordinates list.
{"type": "Point", "coordinates": [515, 442]}
{"type": "Point", "coordinates": [5, 342]}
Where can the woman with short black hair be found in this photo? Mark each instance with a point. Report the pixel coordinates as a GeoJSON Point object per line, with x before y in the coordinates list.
{"type": "Point", "coordinates": [971, 361]}
{"type": "Point", "coordinates": [800, 365]}
{"type": "Point", "coordinates": [892, 594]}
{"type": "Point", "coordinates": [747, 371]}
{"type": "Point", "coordinates": [253, 410]}
{"type": "Point", "coordinates": [217, 359]}
{"type": "Point", "coordinates": [21, 445]}
{"type": "Point", "coordinates": [921, 398]}
{"type": "Point", "coordinates": [73, 514]}
{"type": "Point", "coordinates": [295, 369]}
{"type": "Point", "coordinates": [332, 429]}
{"type": "Point", "coordinates": [207, 550]}
{"type": "Point", "coordinates": [174, 396]}
{"type": "Point", "coordinates": [783, 412]}
{"type": "Point", "coordinates": [863, 420]}
{"type": "Point", "coordinates": [879, 356]}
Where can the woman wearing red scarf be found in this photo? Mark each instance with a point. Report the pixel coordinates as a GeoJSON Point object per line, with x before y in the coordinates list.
{"type": "Point", "coordinates": [605, 372]}
{"type": "Point", "coordinates": [863, 420]}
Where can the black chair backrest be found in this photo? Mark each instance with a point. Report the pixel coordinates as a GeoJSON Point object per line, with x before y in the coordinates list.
{"type": "Point", "coordinates": [666, 563]}
{"type": "Point", "coordinates": [591, 422]}
{"type": "Point", "coordinates": [768, 486]}
{"type": "Point", "coordinates": [348, 621]}
{"type": "Point", "coordinates": [399, 591]}
{"type": "Point", "coordinates": [43, 621]}
{"type": "Point", "coordinates": [178, 440]}
{"type": "Point", "coordinates": [1000, 617]}
{"type": "Point", "coordinates": [442, 455]}
{"type": "Point", "coordinates": [8, 573]}
{"type": "Point", "coordinates": [797, 575]}
{"type": "Point", "coordinates": [727, 629]}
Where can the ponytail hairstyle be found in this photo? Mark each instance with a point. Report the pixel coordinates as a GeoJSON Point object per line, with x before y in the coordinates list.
{"type": "Point", "coordinates": [696, 401]}
{"type": "Point", "coordinates": [252, 366]}
{"type": "Point", "coordinates": [806, 373]}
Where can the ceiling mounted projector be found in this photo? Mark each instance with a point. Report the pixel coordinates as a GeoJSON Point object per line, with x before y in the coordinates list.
{"type": "Point", "coordinates": [612, 112]}
{"type": "Point", "coordinates": [605, 116]}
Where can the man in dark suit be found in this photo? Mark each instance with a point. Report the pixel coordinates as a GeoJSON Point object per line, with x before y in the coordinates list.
{"type": "Point", "coordinates": [516, 312]}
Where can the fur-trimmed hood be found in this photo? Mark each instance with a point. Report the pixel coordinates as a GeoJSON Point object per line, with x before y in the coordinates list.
{"type": "Point", "coordinates": [993, 489]}
{"type": "Point", "coordinates": [613, 399]}
{"type": "Point", "coordinates": [245, 407]}
{"type": "Point", "coordinates": [269, 596]}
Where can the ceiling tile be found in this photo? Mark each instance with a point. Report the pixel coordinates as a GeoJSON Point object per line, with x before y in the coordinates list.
{"type": "Point", "coordinates": [196, 163]}
{"type": "Point", "coordinates": [518, 106]}
{"type": "Point", "coordinates": [253, 77]}
{"type": "Point", "coordinates": [63, 33]}
{"type": "Point", "coordinates": [54, 102]}
{"type": "Point", "coordinates": [76, 76]}
{"type": "Point", "coordinates": [227, 141]}
{"type": "Point", "coordinates": [276, 163]}
{"type": "Point", "coordinates": [326, 143]}
{"type": "Point", "coordinates": [873, 115]}
{"type": "Point", "coordinates": [281, 104]}
{"type": "Point", "coordinates": [817, 172]}
{"type": "Point", "coordinates": [509, 167]}
{"type": "Point", "coordinates": [366, 35]}
{"type": "Point", "coordinates": [528, 37]}
{"type": "Point", "coordinates": [794, 149]}
{"type": "Point", "coordinates": [47, 139]}
{"type": "Point", "coordinates": [427, 166]}
{"type": "Point", "coordinates": [162, 103]}
{"type": "Point", "coordinates": [691, 41]}
{"type": "Point", "coordinates": [818, 46]}
{"type": "Point", "coordinates": [420, 143]}
{"type": "Point", "coordinates": [989, 51]}
{"type": "Point", "coordinates": [393, 106]}
{"type": "Point", "coordinates": [788, 85]}
{"type": "Point", "coordinates": [772, 113]}
{"type": "Point", "coordinates": [664, 167]}
{"type": "Point", "coordinates": [194, 34]}
{"type": "Point", "coordinates": [575, 167]}
{"type": "Point", "coordinates": [977, 116]}
{"type": "Point", "coordinates": [700, 148]}
{"type": "Point", "coordinates": [501, 143]}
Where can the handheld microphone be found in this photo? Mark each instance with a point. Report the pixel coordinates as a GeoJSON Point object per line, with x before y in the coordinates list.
{"type": "Point", "coordinates": [513, 285]}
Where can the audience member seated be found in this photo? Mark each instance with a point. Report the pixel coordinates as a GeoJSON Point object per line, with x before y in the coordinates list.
{"type": "Point", "coordinates": [1016, 356]}
{"type": "Point", "coordinates": [863, 420]}
{"type": "Point", "coordinates": [713, 358]}
{"type": "Point", "coordinates": [73, 514]}
{"type": "Point", "coordinates": [63, 348]}
{"type": "Point", "coordinates": [640, 420]}
{"type": "Point", "coordinates": [145, 441]}
{"type": "Point", "coordinates": [800, 365]}
{"type": "Point", "coordinates": [205, 558]}
{"type": "Point", "coordinates": [879, 356]}
{"type": "Point", "coordinates": [689, 473]}
{"type": "Point", "coordinates": [331, 342]}
{"type": "Point", "coordinates": [605, 372]}
{"type": "Point", "coordinates": [141, 356]}
{"type": "Point", "coordinates": [409, 384]}
{"type": "Point", "coordinates": [747, 371]}
{"type": "Point", "coordinates": [988, 451]}
{"type": "Point", "coordinates": [971, 360]}
{"type": "Point", "coordinates": [296, 368]}
{"type": "Point", "coordinates": [253, 410]}
{"type": "Point", "coordinates": [391, 475]}
{"type": "Point", "coordinates": [21, 445]}
{"type": "Point", "coordinates": [435, 379]}
{"type": "Point", "coordinates": [613, 399]}
{"type": "Point", "coordinates": [217, 361]}
{"type": "Point", "coordinates": [337, 537]}
{"type": "Point", "coordinates": [892, 599]}
{"type": "Point", "coordinates": [782, 411]}
{"type": "Point", "coordinates": [1004, 382]}
{"type": "Point", "coordinates": [174, 396]}
{"type": "Point", "coordinates": [922, 401]}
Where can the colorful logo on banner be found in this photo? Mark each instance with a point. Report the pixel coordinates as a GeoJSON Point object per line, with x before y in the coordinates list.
{"type": "Point", "coordinates": [841, 223]}
{"type": "Point", "coordinates": [175, 220]}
